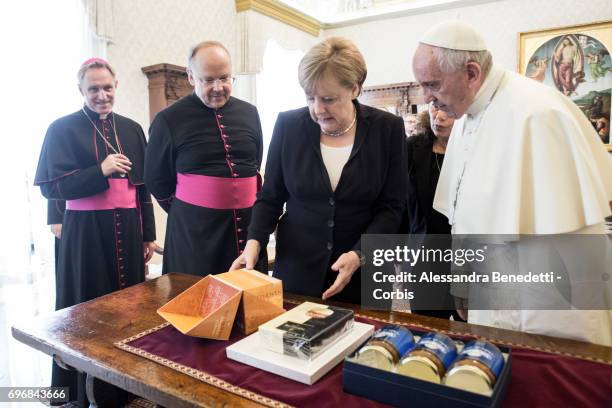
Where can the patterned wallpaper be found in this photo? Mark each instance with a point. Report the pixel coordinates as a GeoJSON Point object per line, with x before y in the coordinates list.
{"type": "Point", "coordinates": [388, 45]}
{"type": "Point", "coordinates": [150, 32]}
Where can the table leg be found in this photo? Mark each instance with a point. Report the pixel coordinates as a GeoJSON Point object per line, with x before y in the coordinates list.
{"type": "Point", "coordinates": [61, 363]}
{"type": "Point", "coordinates": [102, 395]}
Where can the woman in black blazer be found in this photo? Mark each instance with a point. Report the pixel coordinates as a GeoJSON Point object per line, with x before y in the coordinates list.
{"type": "Point", "coordinates": [426, 152]}
{"type": "Point", "coordinates": [425, 157]}
{"type": "Point", "coordinates": [340, 169]}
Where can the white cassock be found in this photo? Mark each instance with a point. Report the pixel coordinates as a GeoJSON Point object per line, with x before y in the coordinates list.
{"type": "Point", "coordinates": [526, 160]}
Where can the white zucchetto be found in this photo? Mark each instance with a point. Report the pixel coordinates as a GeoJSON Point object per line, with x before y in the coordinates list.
{"type": "Point", "coordinates": [454, 35]}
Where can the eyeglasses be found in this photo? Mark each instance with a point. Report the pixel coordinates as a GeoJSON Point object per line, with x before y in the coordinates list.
{"type": "Point", "coordinates": [222, 81]}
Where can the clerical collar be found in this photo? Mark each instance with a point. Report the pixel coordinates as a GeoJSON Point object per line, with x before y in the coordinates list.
{"type": "Point", "coordinates": [486, 91]}
{"type": "Point", "coordinates": [200, 102]}
{"type": "Point", "coordinates": [95, 115]}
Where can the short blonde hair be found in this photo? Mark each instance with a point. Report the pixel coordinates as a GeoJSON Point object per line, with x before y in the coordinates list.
{"type": "Point", "coordinates": [337, 56]}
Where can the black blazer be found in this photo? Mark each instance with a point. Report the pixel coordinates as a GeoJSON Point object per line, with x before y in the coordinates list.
{"type": "Point", "coordinates": [320, 224]}
{"type": "Point", "coordinates": [430, 299]}
{"type": "Point", "coordinates": [421, 189]}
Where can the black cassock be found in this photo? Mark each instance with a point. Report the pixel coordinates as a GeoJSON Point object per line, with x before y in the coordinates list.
{"type": "Point", "coordinates": [100, 250]}
{"type": "Point", "coordinates": [187, 138]}
{"type": "Point", "coordinates": [55, 215]}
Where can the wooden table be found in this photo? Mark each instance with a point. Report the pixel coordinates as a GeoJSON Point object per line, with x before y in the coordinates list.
{"type": "Point", "coordinates": [82, 337]}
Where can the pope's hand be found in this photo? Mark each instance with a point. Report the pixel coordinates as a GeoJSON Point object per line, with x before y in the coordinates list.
{"type": "Point", "coordinates": [249, 256]}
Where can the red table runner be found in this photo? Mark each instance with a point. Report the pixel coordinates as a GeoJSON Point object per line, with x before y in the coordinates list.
{"type": "Point", "coordinates": [538, 378]}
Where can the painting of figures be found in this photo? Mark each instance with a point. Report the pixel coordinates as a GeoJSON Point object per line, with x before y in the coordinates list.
{"type": "Point", "coordinates": [577, 62]}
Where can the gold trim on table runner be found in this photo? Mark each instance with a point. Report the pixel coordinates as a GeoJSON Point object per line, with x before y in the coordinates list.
{"type": "Point", "coordinates": [493, 340]}
{"type": "Point", "coordinates": [217, 382]}
{"type": "Point", "coordinates": [197, 374]}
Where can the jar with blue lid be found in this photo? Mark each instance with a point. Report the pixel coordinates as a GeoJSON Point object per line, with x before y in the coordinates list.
{"type": "Point", "coordinates": [477, 368]}
{"type": "Point", "coordinates": [385, 347]}
{"type": "Point", "coordinates": [429, 359]}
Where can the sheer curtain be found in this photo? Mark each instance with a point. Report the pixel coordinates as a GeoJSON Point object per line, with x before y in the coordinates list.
{"type": "Point", "coordinates": [45, 41]}
{"type": "Point", "coordinates": [43, 44]}
{"type": "Point", "coordinates": [278, 88]}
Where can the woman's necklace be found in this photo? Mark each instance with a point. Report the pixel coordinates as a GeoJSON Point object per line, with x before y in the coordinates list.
{"type": "Point", "coordinates": [343, 131]}
{"type": "Point", "coordinates": [437, 162]}
{"type": "Point", "coordinates": [99, 133]}
{"type": "Point", "coordinates": [439, 146]}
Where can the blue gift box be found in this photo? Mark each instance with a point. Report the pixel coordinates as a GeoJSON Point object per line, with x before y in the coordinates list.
{"type": "Point", "coordinates": [400, 390]}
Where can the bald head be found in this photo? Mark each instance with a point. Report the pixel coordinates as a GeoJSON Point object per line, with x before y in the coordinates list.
{"type": "Point", "coordinates": [210, 73]}
{"type": "Point", "coordinates": [214, 47]}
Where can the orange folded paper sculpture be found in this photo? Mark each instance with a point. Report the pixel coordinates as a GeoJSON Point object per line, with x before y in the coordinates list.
{"type": "Point", "coordinates": [262, 297]}
{"type": "Point", "coordinates": [208, 308]}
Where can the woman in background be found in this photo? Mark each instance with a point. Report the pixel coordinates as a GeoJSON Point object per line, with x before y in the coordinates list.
{"type": "Point", "coordinates": [426, 152]}
{"type": "Point", "coordinates": [425, 158]}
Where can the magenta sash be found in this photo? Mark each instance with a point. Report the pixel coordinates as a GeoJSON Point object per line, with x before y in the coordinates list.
{"type": "Point", "coordinates": [220, 193]}
{"type": "Point", "coordinates": [120, 194]}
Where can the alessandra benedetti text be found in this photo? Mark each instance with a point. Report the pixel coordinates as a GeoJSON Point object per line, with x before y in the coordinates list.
{"type": "Point", "coordinates": [473, 277]}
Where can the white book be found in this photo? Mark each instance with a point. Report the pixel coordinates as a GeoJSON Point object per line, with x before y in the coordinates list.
{"type": "Point", "coordinates": [306, 330]}
{"type": "Point", "coordinates": [251, 351]}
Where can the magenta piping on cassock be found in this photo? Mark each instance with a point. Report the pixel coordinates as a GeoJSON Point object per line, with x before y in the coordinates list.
{"type": "Point", "coordinates": [220, 193]}
{"type": "Point", "coordinates": [120, 194]}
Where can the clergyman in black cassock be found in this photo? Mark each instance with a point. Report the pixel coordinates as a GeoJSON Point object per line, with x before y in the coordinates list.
{"type": "Point", "coordinates": [202, 165]}
{"type": "Point", "coordinates": [94, 159]}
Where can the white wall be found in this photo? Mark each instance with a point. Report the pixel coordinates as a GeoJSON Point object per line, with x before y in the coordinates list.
{"type": "Point", "coordinates": [151, 32]}
{"type": "Point", "coordinates": [162, 31]}
{"type": "Point", "coordinates": [259, 29]}
{"type": "Point", "coordinates": [388, 45]}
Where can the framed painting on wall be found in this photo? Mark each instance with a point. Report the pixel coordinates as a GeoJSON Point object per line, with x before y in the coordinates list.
{"type": "Point", "coordinates": [575, 60]}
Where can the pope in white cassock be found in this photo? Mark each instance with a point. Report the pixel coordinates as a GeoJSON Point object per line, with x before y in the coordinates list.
{"type": "Point", "coordinates": [522, 159]}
